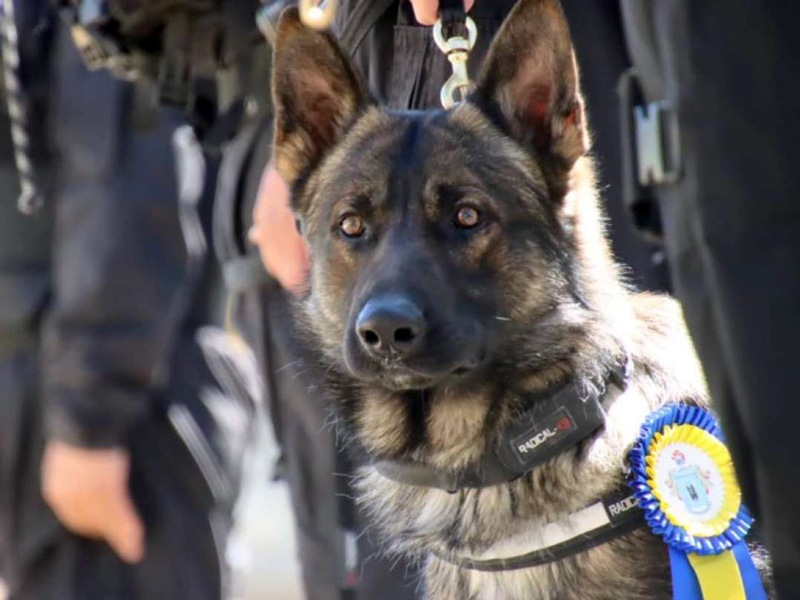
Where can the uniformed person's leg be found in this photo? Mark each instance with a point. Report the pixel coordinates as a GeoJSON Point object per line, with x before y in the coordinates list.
{"type": "Point", "coordinates": [732, 76]}
{"type": "Point", "coordinates": [184, 481]}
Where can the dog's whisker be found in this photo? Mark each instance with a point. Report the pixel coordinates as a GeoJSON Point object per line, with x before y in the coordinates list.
{"type": "Point", "coordinates": [289, 365]}
{"type": "Point", "coordinates": [348, 496]}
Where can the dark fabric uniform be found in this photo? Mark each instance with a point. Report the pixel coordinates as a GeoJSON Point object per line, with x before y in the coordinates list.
{"type": "Point", "coordinates": [405, 70]}
{"type": "Point", "coordinates": [732, 229]}
{"type": "Point", "coordinates": [99, 340]}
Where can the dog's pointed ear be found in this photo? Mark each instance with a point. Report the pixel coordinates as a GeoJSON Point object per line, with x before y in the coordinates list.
{"type": "Point", "coordinates": [531, 79]}
{"type": "Point", "coordinates": [316, 95]}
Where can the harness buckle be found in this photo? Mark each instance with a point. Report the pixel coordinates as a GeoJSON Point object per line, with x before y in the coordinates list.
{"type": "Point", "coordinates": [457, 49]}
{"type": "Point", "coordinates": [657, 144]}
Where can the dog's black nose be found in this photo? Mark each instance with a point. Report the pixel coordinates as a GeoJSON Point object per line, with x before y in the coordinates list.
{"type": "Point", "coordinates": [390, 325]}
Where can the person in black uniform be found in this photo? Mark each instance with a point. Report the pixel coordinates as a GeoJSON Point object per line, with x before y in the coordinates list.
{"type": "Point", "coordinates": [732, 229]}
{"type": "Point", "coordinates": [115, 480]}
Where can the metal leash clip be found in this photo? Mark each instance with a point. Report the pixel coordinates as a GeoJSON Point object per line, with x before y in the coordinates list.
{"type": "Point", "coordinates": [318, 15]}
{"type": "Point", "coordinates": [457, 50]}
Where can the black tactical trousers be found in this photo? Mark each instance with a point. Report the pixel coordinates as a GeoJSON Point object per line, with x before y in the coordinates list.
{"type": "Point", "coordinates": [732, 228]}
{"type": "Point", "coordinates": [105, 280]}
{"type": "Point", "coordinates": [339, 553]}
{"type": "Point", "coordinates": [184, 517]}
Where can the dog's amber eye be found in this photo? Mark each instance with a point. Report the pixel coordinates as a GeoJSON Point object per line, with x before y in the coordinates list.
{"type": "Point", "coordinates": [352, 226]}
{"type": "Point", "coordinates": [468, 217]}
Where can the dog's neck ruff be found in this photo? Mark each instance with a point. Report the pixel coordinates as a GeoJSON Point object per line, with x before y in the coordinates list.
{"type": "Point", "coordinates": [555, 421]}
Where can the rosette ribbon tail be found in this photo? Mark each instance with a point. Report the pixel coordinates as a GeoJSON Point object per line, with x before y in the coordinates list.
{"type": "Point", "coordinates": [753, 587]}
{"type": "Point", "coordinates": [730, 575]}
{"type": "Point", "coordinates": [685, 584]}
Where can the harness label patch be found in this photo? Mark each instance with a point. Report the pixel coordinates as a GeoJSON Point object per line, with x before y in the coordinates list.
{"type": "Point", "coordinates": [617, 507]}
{"type": "Point", "coordinates": [542, 435]}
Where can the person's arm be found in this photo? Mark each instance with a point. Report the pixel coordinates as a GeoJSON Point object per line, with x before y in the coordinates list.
{"type": "Point", "coordinates": [118, 262]}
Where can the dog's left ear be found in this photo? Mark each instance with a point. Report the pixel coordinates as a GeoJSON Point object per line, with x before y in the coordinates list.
{"type": "Point", "coordinates": [531, 78]}
{"type": "Point", "coordinates": [316, 94]}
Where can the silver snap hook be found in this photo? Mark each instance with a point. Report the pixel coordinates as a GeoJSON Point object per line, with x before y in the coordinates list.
{"type": "Point", "coordinates": [457, 49]}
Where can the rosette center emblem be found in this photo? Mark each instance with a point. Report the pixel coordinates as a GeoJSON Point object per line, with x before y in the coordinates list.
{"type": "Point", "coordinates": [691, 473]}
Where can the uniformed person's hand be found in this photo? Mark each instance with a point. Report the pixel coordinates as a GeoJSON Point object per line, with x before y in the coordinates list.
{"type": "Point", "coordinates": [88, 491]}
{"type": "Point", "coordinates": [427, 11]}
{"type": "Point", "coordinates": [282, 249]}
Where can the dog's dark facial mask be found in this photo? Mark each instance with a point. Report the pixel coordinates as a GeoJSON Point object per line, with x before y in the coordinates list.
{"type": "Point", "coordinates": [437, 238]}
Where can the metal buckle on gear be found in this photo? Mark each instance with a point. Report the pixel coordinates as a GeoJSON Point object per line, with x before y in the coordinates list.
{"type": "Point", "coordinates": [457, 50]}
{"type": "Point", "coordinates": [657, 144]}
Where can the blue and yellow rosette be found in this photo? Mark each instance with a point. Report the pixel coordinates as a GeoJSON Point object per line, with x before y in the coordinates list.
{"type": "Point", "coordinates": [683, 479]}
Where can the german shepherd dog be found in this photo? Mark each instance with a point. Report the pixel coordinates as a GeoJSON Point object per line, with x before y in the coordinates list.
{"type": "Point", "coordinates": [460, 269]}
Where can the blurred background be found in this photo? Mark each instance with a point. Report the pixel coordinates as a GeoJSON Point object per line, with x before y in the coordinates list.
{"type": "Point", "coordinates": [262, 551]}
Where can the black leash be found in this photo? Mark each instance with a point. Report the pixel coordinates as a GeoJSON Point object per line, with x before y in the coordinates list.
{"type": "Point", "coordinates": [452, 14]}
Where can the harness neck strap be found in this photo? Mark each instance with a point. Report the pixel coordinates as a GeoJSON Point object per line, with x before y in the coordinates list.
{"type": "Point", "coordinates": [556, 421]}
{"type": "Point", "coordinates": [598, 523]}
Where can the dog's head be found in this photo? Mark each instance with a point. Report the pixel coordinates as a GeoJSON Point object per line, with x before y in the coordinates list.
{"type": "Point", "coordinates": [443, 244]}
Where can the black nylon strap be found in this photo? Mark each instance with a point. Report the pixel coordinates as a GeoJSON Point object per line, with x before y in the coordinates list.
{"type": "Point", "coordinates": [364, 17]}
{"type": "Point", "coordinates": [529, 441]}
{"type": "Point", "coordinates": [621, 521]}
{"type": "Point", "coordinates": [451, 11]}
{"type": "Point", "coordinates": [453, 17]}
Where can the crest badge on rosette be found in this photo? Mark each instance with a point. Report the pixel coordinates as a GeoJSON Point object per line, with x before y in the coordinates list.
{"type": "Point", "coordinates": [683, 479]}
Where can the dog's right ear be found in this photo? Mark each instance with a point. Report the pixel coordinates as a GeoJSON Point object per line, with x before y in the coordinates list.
{"type": "Point", "coordinates": [316, 95]}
